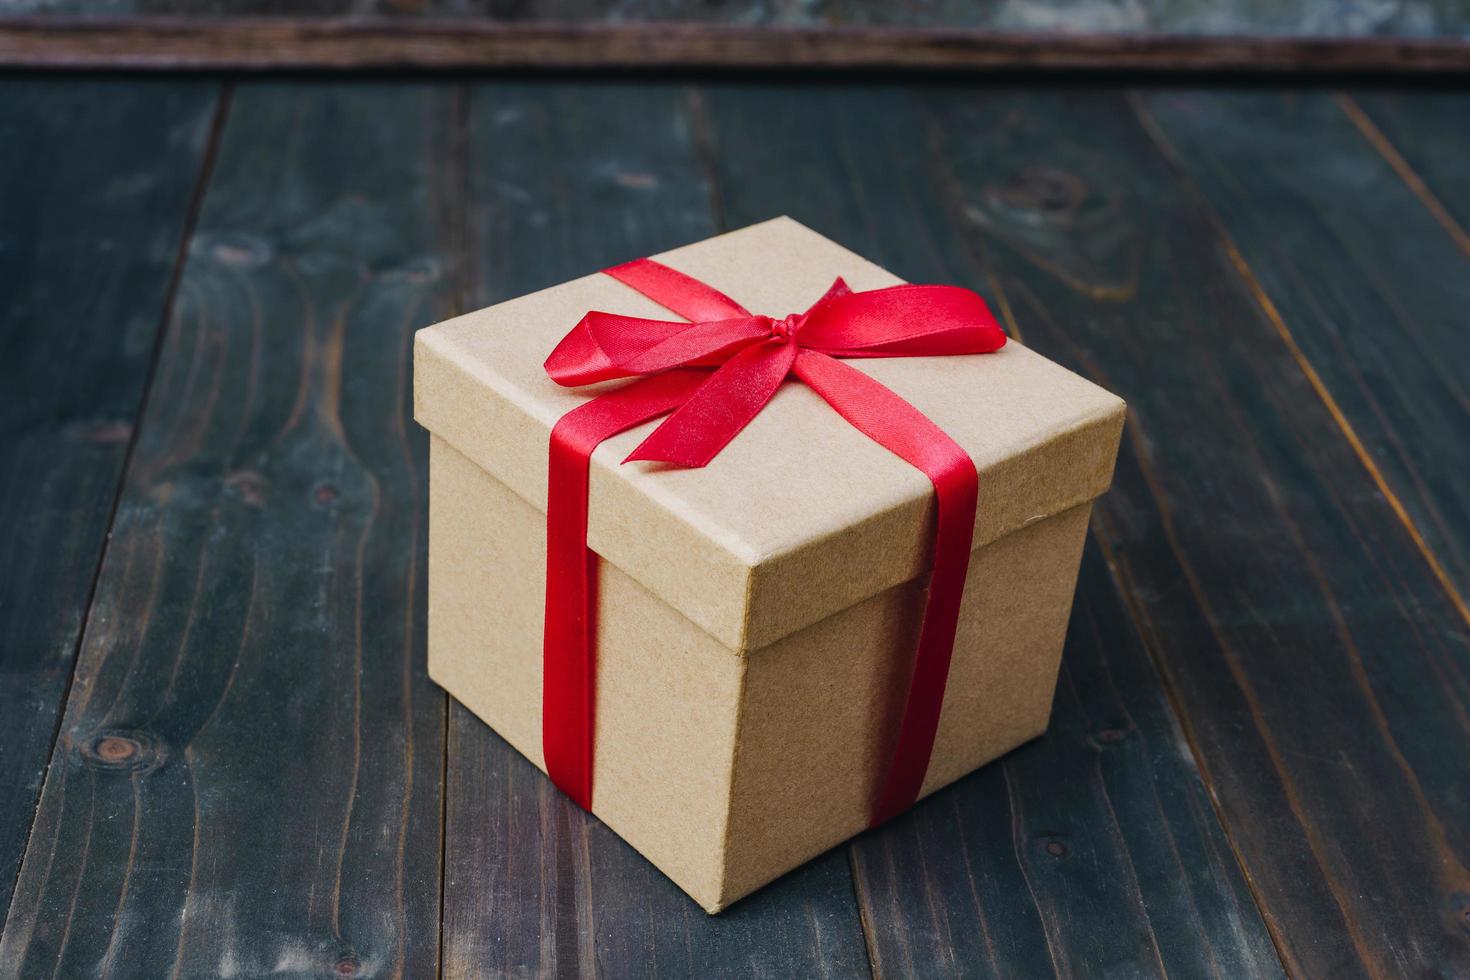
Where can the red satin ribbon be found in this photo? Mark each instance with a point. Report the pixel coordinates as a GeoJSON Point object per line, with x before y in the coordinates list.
{"type": "Point", "coordinates": [750, 356]}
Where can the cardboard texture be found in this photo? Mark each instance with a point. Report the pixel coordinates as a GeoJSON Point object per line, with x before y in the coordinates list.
{"type": "Point", "coordinates": [757, 617]}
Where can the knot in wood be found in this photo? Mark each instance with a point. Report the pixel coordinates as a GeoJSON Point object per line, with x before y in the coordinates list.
{"type": "Point", "coordinates": [1045, 191]}
{"type": "Point", "coordinates": [122, 751]}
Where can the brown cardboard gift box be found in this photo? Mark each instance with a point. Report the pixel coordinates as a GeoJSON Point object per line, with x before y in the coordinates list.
{"type": "Point", "coordinates": [757, 617]}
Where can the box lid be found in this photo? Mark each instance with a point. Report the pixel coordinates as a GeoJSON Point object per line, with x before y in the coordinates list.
{"type": "Point", "coordinates": [800, 515]}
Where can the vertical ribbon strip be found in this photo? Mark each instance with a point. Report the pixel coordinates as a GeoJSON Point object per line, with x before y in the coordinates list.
{"type": "Point", "coordinates": [715, 373]}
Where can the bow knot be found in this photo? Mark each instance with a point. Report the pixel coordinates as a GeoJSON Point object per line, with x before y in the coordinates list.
{"type": "Point", "coordinates": [785, 329]}
{"type": "Point", "coordinates": [899, 321]}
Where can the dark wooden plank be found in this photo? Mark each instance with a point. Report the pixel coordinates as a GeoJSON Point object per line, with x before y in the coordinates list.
{"type": "Point", "coordinates": [349, 42]}
{"type": "Point", "coordinates": [568, 178]}
{"type": "Point", "coordinates": [1363, 282]}
{"type": "Point", "coordinates": [95, 188]}
{"type": "Point", "coordinates": [1093, 850]}
{"type": "Point", "coordinates": [1320, 666]}
{"type": "Point", "coordinates": [247, 778]}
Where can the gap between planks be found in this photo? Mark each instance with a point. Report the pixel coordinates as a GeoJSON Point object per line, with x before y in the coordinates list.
{"type": "Point", "coordinates": [186, 234]}
{"type": "Point", "coordinates": [1406, 173]}
{"type": "Point", "coordinates": [454, 212]}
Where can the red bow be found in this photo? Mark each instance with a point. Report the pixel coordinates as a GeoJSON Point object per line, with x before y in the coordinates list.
{"type": "Point", "coordinates": [751, 356]}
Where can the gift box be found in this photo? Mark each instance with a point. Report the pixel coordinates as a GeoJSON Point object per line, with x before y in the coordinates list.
{"type": "Point", "coordinates": [753, 623]}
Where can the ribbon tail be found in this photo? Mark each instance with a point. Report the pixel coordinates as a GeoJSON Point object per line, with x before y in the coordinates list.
{"type": "Point", "coordinates": [716, 413]}
{"type": "Point", "coordinates": [568, 696]}
{"type": "Point", "coordinates": [895, 424]}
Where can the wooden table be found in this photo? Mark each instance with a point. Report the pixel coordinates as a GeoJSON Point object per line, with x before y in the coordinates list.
{"type": "Point", "coordinates": [219, 752]}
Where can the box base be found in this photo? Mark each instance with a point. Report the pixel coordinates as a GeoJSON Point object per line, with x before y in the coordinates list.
{"type": "Point", "coordinates": [728, 768]}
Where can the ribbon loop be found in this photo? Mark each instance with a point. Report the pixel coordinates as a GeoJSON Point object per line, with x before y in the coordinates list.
{"type": "Point", "coordinates": [751, 356]}
{"type": "Point", "coordinates": [723, 405]}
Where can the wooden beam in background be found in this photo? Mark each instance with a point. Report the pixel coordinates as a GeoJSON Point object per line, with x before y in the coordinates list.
{"type": "Point", "coordinates": [168, 43]}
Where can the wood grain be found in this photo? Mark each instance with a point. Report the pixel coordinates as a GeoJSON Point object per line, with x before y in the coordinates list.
{"type": "Point", "coordinates": [1094, 850]}
{"type": "Point", "coordinates": [247, 777]}
{"type": "Point", "coordinates": [1306, 200]}
{"type": "Point", "coordinates": [568, 178]}
{"type": "Point", "coordinates": [96, 182]}
{"type": "Point", "coordinates": [172, 42]}
{"type": "Point", "coordinates": [1320, 666]}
